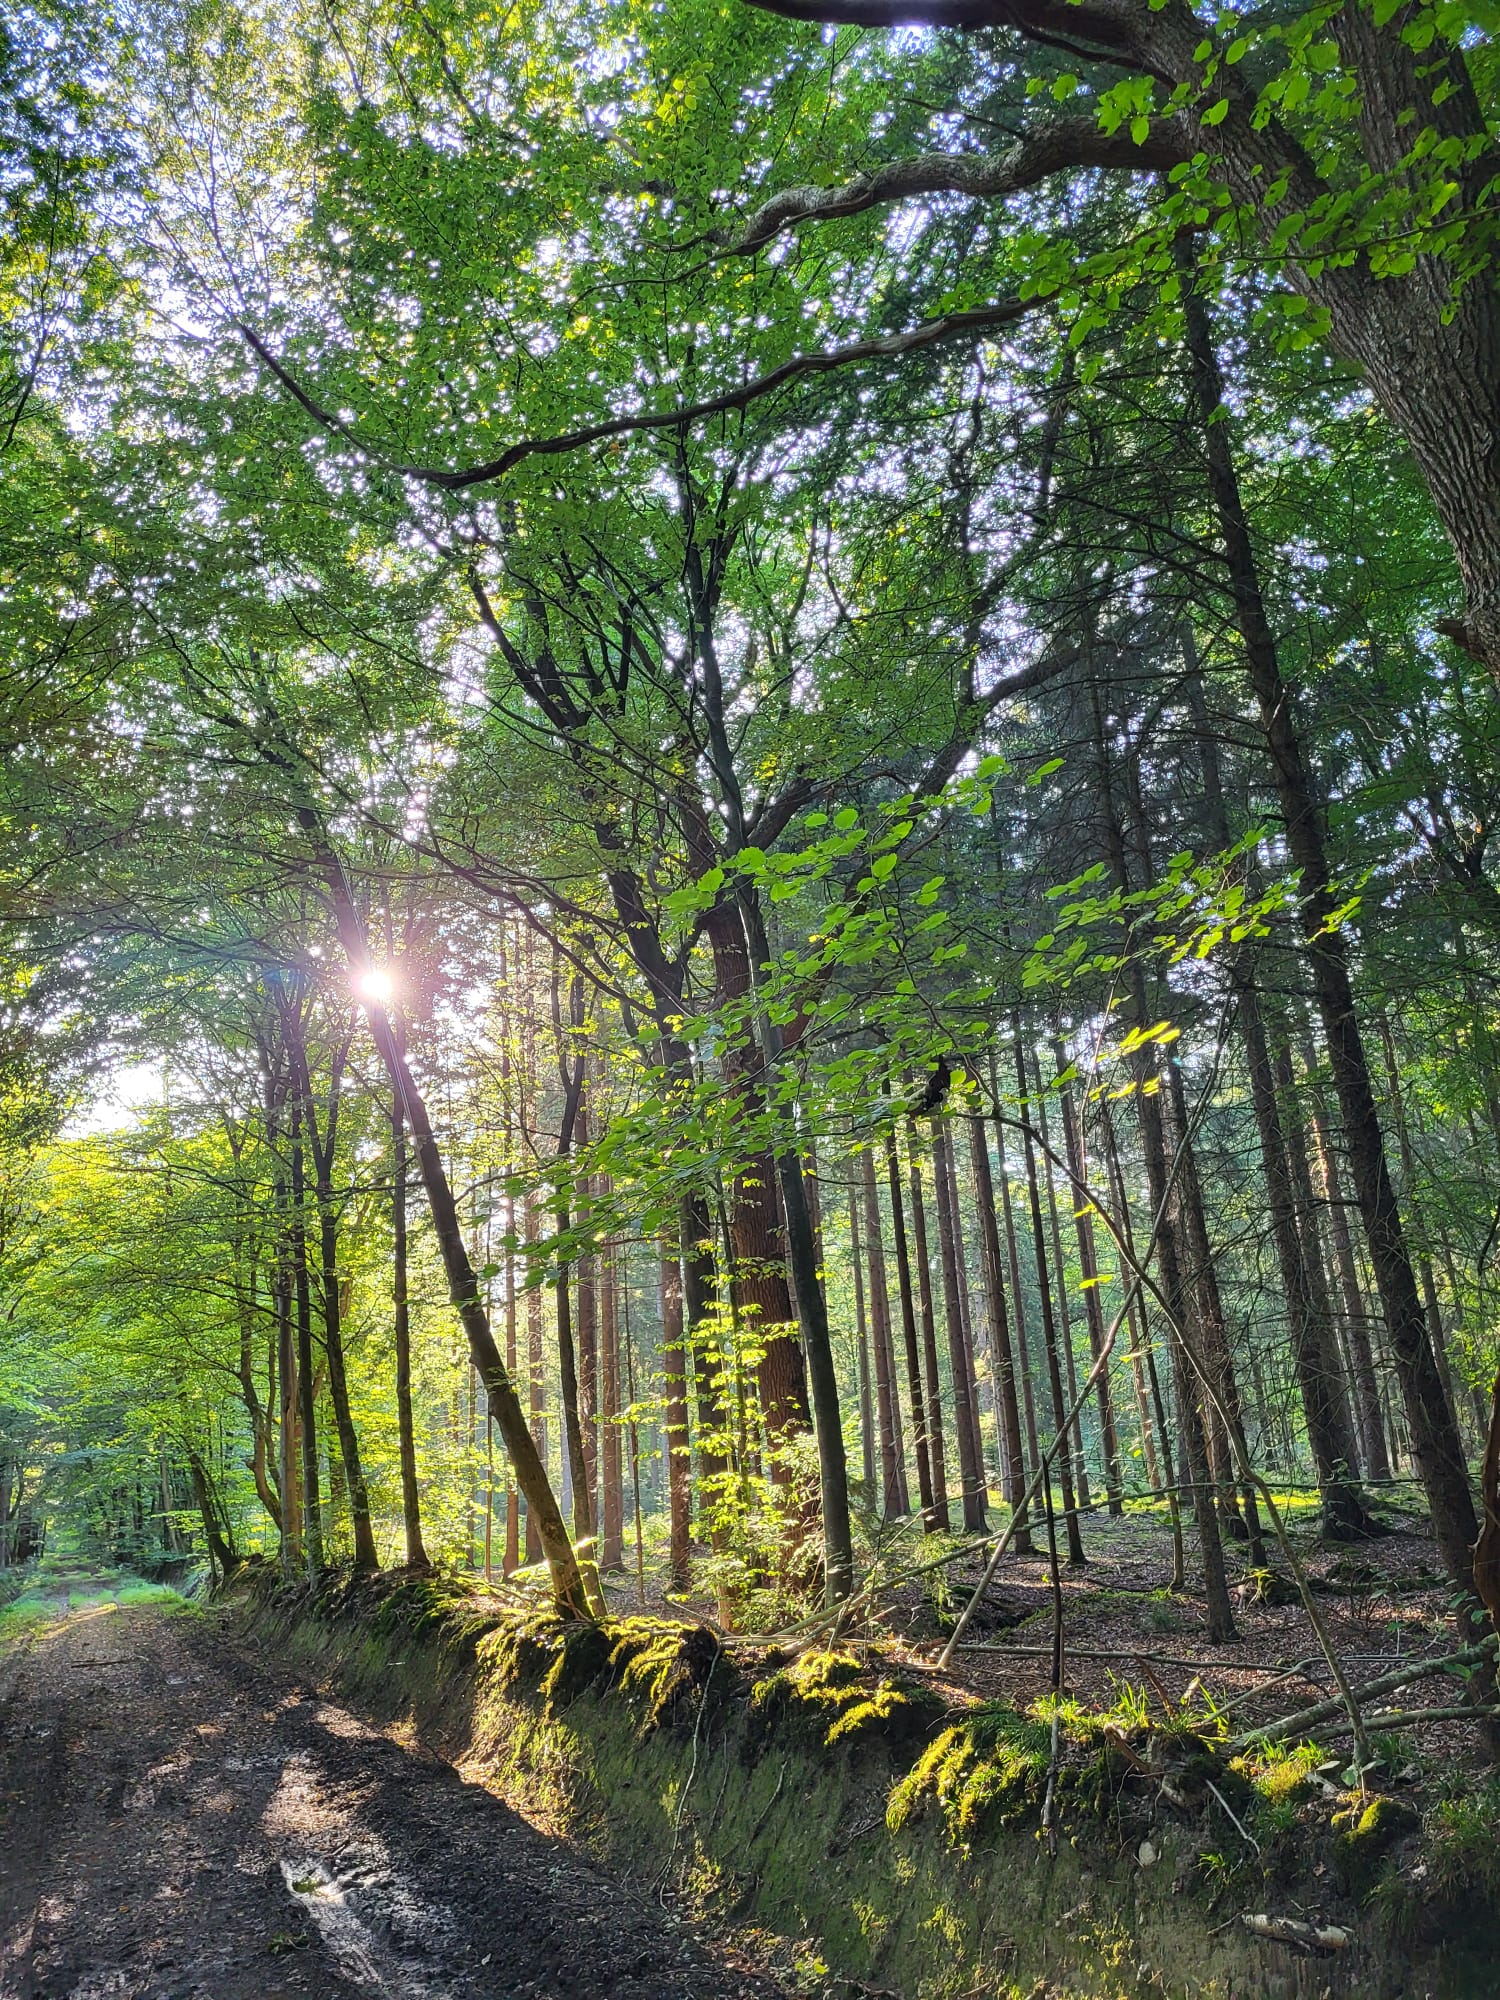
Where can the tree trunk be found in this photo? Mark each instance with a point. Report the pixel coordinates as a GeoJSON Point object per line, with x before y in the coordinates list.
{"type": "Point", "coordinates": [887, 1406]}
{"type": "Point", "coordinates": [1356, 1319]}
{"type": "Point", "coordinates": [611, 1458]}
{"type": "Point", "coordinates": [1063, 1460]}
{"type": "Point", "coordinates": [965, 1414]}
{"type": "Point", "coordinates": [935, 1439]}
{"type": "Point", "coordinates": [1088, 1264]}
{"type": "Point", "coordinates": [759, 1277]}
{"type": "Point", "coordinates": [1060, 1293]}
{"type": "Point", "coordinates": [678, 1447]}
{"type": "Point", "coordinates": [1435, 1439]}
{"type": "Point", "coordinates": [1013, 1466]}
{"type": "Point", "coordinates": [909, 1329]}
{"type": "Point", "coordinates": [568, 1586]}
{"type": "Point", "coordinates": [862, 1352]}
{"type": "Point", "coordinates": [312, 1524]}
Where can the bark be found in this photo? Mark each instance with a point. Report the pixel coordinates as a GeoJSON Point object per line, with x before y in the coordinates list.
{"type": "Point", "coordinates": [1076, 1556]}
{"type": "Point", "coordinates": [887, 1406]}
{"type": "Point", "coordinates": [1423, 1262]}
{"type": "Point", "coordinates": [411, 1504]}
{"type": "Point", "coordinates": [323, 1144]}
{"type": "Point", "coordinates": [611, 1460]}
{"type": "Point", "coordinates": [1060, 1293]}
{"type": "Point", "coordinates": [678, 1446]}
{"type": "Point", "coordinates": [909, 1329]}
{"type": "Point", "coordinates": [1001, 1352]}
{"type": "Point", "coordinates": [862, 1352]}
{"type": "Point", "coordinates": [1356, 1319]}
{"type": "Point", "coordinates": [759, 1277]}
{"type": "Point", "coordinates": [1435, 1439]}
{"type": "Point", "coordinates": [312, 1526]}
{"type": "Point", "coordinates": [1190, 1365]}
{"type": "Point", "coordinates": [936, 1443]}
{"type": "Point", "coordinates": [588, 1348]}
{"type": "Point", "coordinates": [965, 1414]}
{"type": "Point", "coordinates": [1088, 1264]}
{"type": "Point", "coordinates": [216, 1529]}
{"type": "Point", "coordinates": [1024, 1370]}
{"type": "Point", "coordinates": [533, 1373]}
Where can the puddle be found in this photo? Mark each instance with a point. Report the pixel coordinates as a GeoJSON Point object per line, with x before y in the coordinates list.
{"type": "Point", "coordinates": [379, 1935]}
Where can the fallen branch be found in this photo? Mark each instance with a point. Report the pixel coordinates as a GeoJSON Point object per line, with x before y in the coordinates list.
{"type": "Point", "coordinates": [1308, 1718]}
{"type": "Point", "coordinates": [1408, 1718]}
{"type": "Point", "coordinates": [1301, 1937]}
{"type": "Point", "coordinates": [1155, 1659]}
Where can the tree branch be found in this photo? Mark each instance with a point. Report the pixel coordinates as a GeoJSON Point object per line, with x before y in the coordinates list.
{"type": "Point", "coordinates": [1052, 148]}
{"type": "Point", "coordinates": [1107, 30]}
{"type": "Point", "coordinates": [823, 361]}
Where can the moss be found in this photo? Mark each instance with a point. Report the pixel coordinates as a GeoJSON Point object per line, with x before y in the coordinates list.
{"type": "Point", "coordinates": [518, 1652]}
{"type": "Point", "coordinates": [837, 1697]}
{"type": "Point", "coordinates": [979, 1775]}
{"type": "Point", "coordinates": [1364, 1833]}
{"type": "Point", "coordinates": [660, 1669]}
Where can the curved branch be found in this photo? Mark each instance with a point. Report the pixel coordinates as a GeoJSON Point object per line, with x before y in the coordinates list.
{"type": "Point", "coordinates": [1052, 148]}
{"type": "Point", "coordinates": [1106, 30]}
{"type": "Point", "coordinates": [823, 361]}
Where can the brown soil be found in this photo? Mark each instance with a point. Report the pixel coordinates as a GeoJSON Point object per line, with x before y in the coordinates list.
{"type": "Point", "coordinates": [180, 1820]}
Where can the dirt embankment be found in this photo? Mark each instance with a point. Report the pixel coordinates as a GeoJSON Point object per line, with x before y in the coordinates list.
{"type": "Point", "coordinates": [181, 1820]}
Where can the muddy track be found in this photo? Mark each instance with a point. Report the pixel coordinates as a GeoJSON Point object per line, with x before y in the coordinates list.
{"type": "Point", "coordinates": [179, 1821]}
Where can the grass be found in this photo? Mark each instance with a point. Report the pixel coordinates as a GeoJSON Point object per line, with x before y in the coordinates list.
{"type": "Point", "coordinates": [38, 1606]}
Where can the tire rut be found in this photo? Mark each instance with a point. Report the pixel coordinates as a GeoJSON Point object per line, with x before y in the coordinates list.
{"type": "Point", "coordinates": [181, 1822]}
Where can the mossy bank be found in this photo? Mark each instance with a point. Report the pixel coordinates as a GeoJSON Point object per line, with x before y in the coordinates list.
{"type": "Point", "coordinates": [893, 1842]}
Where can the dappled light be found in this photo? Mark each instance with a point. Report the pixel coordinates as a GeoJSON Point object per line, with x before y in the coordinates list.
{"type": "Point", "coordinates": [749, 999]}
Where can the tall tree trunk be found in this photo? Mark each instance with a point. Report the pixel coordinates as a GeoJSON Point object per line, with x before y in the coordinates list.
{"type": "Point", "coordinates": [1311, 1324]}
{"type": "Point", "coordinates": [1063, 1461]}
{"type": "Point", "coordinates": [1191, 1371]}
{"type": "Point", "coordinates": [531, 1373]}
{"type": "Point", "coordinates": [965, 1413]}
{"type": "Point", "coordinates": [1356, 1319]}
{"type": "Point", "coordinates": [759, 1277]}
{"type": "Point", "coordinates": [678, 1446]}
{"type": "Point", "coordinates": [1002, 1355]}
{"type": "Point", "coordinates": [1088, 1264]}
{"type": "Point", "coordinates": [909, 1329]}
{"type": "Point", "coordinates": [1423, 1260]}
{"type": "Point", "coordinates": [588, 1352]}
{"type": "Point", "coordinates": [935, 1432]}
{"type": "Point", "coordinates": [312, 1523]}
{"type": "Point", "coordinates": [1435, 1439]}
{"type": "Point", "coordinates": [1060, 1294]}
{"type": "Point", "coordinates": [568, 1585]}
{"type": "Point", "coordinates": [862, 1351]}
{"type": "Point", "coordinates": [1024, 1371]}
{"type": "Point", "coordinates": [411, 1504]}
{"type": "Point", "coordinates": [611, 1458]}
{"type": "Point", "coordinates": [324, 1144]}
{"type": "Point", "coordinates": [887, 1405]}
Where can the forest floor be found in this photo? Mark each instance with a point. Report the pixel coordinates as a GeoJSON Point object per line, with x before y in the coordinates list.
{"type": "Point", "coordinates": [1130, 1638]}
{"type": "Point", "coordinates": [181, 1819]}
{"type": "Point", "coordinates": [1381, 1603]}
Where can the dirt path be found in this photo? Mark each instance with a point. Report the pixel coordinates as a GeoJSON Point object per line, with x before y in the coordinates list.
{"type": "Point", "coordinates": [179, 1823]}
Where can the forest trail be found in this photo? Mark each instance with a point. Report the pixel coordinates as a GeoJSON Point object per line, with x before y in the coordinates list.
{"type": "Point", "coordinates": [180, 1821]}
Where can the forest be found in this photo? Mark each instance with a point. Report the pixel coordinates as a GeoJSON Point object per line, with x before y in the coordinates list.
{"type": "Point", "coordinates": [748, 761]}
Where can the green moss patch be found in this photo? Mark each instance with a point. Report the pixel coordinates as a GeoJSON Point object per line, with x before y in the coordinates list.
{"type": "Point", "coordinates": [834, 1697]}
{"type": "Point", "coordinates": [979, 1775]}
